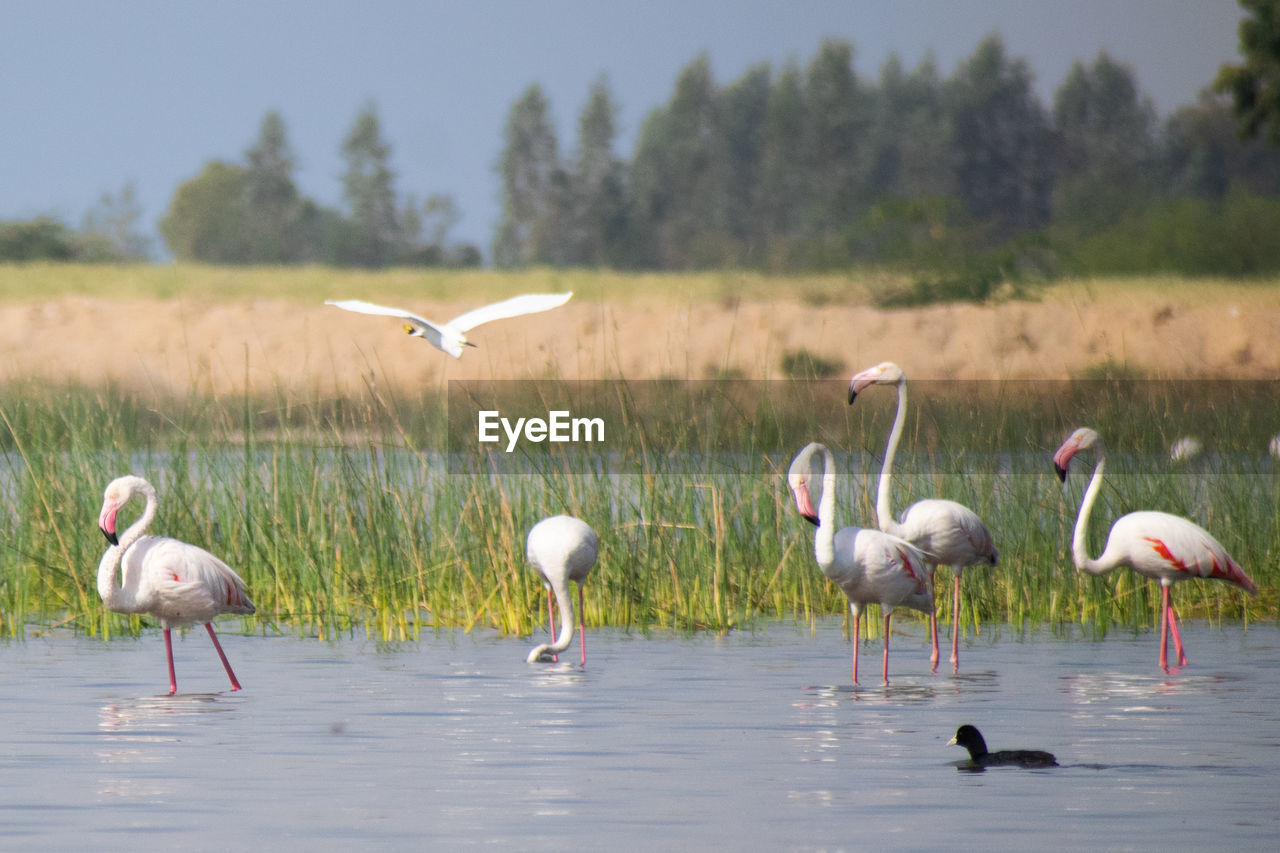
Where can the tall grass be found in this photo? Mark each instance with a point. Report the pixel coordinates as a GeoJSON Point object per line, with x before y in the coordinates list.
{"type": "Point", "coordinates": [357, 517]}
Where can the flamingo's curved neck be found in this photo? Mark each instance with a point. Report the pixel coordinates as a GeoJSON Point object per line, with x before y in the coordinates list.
{"type": "Point", "coordinates": [884, 514]}
{"type": "Point", "coordinates": [824, 539]}
{"type": "Point", "coordinates": [1079, 552]}
{"type": "Point", "coordinates": [117, 598]}
{"type": "Point", "coordinates": [564, 603]}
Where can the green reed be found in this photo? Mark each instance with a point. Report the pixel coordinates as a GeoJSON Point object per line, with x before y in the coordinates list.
{"type": "Point", "coordinates": [357, 516]}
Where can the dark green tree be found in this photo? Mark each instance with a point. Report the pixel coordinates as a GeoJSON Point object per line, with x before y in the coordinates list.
{"type": "Point", "coordinates": [598, 185]}
{"type": "Point", "coordinates": [1003, 143]}
{"type": "Point", "coordinates": [1254, 86]}
{"type": "Point", "coordinates": [911, 175]}
{"type": "Point", "coordinates": [205, 220]}
{"type": "Point", "coordinates": [1203, 156]}
{"type": "Point", "coordinates": [1106, 150]}
{"type": "Point", "coordinates": [742, 115]}
{"type": "Point", "coordinates": [39, 239]}
{"type": "Point", "coordinates": [785, 173]}
{"type": "Point", "coordinates": [533, 185]}
{"type": "Point", "coordinates": [912, 156]}
{"type": "Point", "coordinates": [838, 117]}
{"type": "Point", "coordinates": [678, 175]}
{"type": "Point", "coordinates": [368, 188]}
{"type": "Point", "coordinates": [273, 208]}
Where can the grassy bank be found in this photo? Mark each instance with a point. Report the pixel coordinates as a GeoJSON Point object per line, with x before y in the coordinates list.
{"type": "Point", "coordinates": [22, 282]}
{"type": "Point", "coordinates": [352, 516]}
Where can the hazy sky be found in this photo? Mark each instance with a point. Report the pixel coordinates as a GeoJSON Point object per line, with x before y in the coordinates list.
{"type": "Point", "coordinates": [98, 93]}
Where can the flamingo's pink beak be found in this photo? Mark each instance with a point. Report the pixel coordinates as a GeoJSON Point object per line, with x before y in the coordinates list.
{"type": "Point", "coordinates": [107, 522]}
{"type": "Point", "coordinates": [805, 504]}
{"type": "Point", "coordinates": [860, 381]}
{"type": "Point", "coordinates": [1062, 459]}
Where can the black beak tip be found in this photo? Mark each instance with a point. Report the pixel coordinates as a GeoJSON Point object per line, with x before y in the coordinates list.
{"type": "Point", "coordinates": [812, 519]}
{"type": "Point", "coordinates": [111, 537]}
{"type": "Point", "coordinates": [1061, 472]}
{"type": "Point", "coordinates": [469, 344]}
{"type": "Point", "coordinates": [852, 395]}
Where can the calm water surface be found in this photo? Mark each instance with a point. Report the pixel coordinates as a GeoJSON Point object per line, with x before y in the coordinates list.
{"type": "Point", "coordinates": [750, 741]}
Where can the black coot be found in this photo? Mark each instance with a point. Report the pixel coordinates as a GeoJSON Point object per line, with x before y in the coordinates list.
{"type": "Point", "coordinates": [971, 739]}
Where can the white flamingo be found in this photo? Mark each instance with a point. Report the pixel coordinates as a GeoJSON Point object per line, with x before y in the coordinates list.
{"type": "Point", "coordinates": [949, 533]}
{"type": "Point", "coordinates": [448, 337]}
{"type": "Point", "coordinates": [1187, 447]}
{"type": "Point", "coordinates": [177, 583]}
{"type": "Point", "coordinates": [1164, 547]}
{"type": "Point", "coordinates": [870, 566]}
{"type": "Point", "coordinates": [562, 549]}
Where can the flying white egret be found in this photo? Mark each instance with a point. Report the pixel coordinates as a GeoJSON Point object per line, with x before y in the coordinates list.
{"type": "Point", "coordinates": [449, 337]}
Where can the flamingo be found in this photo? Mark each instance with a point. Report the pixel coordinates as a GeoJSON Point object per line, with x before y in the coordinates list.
{"type": "Point", "coordinates": [177, 583]}
{"type": "Point", "coordinates": [448, 337]}
{"type": "Point", "coordinates": [870, 566]}
{"type": "Point", "coordinates": [1164, 547]}
{"type": "Point", "coordinates": [1187, 447]}
{"type": "Point", "coordinates": [562, 549]}
{"type": "Point", "coordinates": [949, 533]}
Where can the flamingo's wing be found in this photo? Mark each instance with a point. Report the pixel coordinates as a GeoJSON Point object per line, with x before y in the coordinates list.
{"type": "Point", "coordinates": [1184, 547]}
{"type": "Point", "coordinates": [896, 569]}
{"type": "Point", "coordinates": [190, 580]}
{"type": "Point", "coordinates": [422, 324]}
{"type": "Point", "coordinates": [529, 303]}
{"type": "Point", "coordinates": [948, 532]}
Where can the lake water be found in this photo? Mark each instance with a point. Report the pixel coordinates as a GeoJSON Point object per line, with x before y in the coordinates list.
{"type": "Point", "coordinates": [748, 741]}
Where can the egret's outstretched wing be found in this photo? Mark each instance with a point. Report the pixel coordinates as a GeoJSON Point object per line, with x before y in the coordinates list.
{"type": "Point", "coordinates": [529, 303]}
{"type": "Point", "coordinates": [362, 307]}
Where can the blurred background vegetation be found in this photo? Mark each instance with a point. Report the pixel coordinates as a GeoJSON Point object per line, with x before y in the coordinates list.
{"type": "Point", "coordinates": [968, 183]}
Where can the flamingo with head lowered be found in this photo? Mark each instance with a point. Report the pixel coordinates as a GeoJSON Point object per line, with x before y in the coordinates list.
{"type": "Point", "coordinates": [1164, 547]}
{"type": "Point", "coordinates": [870, 566]}
{"type": "Point", "coordinates": [949, 533]}
{"type": "Point", "coordinates": [177, 583]}
{"type": "Point", "coordinates": [562, 549]}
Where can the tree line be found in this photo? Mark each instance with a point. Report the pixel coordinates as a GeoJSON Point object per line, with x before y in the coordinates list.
{"type": "Point", "coordinates": [804, 167]}
{"type": "Point", "coordinates": [253, 212]}
{"type": "Point", "coordinates": [815, 167]}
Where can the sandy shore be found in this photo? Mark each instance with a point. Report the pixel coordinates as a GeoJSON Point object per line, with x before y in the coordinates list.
{"type": "Point", "coordinates": [175, 346]}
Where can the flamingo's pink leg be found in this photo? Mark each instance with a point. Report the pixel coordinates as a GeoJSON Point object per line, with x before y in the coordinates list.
{"type": "Point", "coordinates": [1164, 628]}
{"type": "Point", "coordinates": [885, 669]}
{"type": "Point", "coordinates": [235, 685]}
{"type": "Point", "coordinates": [933, 633]}
{"type": "Point", "coordinates": [582, 627]}
{"type": "Point", "coordinates": [168, 650]}
{"type": "Point", "coordinates": [1172, 616]}
{"type": "Point", "coordinates": [551, 618]}
{"type": "Point", "coordinates": [857, 636]}
{"type": "Point", "coordinates": [955, 627]}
